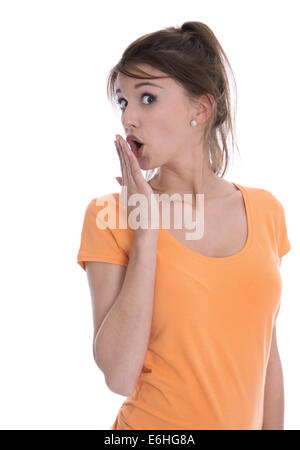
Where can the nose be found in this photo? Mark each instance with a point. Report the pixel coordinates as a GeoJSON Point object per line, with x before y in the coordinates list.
{"type": "Point", "coordinates": [128, 119]}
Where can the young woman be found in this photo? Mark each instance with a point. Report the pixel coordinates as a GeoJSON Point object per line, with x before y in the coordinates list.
{"type": "Point", "coordinates": [185, 328]}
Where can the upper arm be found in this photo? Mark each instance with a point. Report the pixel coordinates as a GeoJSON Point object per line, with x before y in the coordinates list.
{"type": "Point", "coordinates": [274, 354]}
{"type": "Point", "coordinates": [105, 282]}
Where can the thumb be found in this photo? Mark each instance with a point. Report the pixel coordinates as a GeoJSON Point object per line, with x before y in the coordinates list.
{"type": "Point", "coordinates": [119, 180]}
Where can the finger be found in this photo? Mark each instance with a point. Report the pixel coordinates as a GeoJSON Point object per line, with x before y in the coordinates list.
{"type": "Point", "coordinates": [122, 163]}
{"type": "Point", "coordinates": [135, 169]}
{"type": "Point", "coordinates": [126, 163]}
{"type": "Point", "coordinates": [128, 157]}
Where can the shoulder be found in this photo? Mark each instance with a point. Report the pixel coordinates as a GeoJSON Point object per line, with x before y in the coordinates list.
{"type": "Point", "coordinates": [104, 200]}
{"type": "Point", "coordinates": [110, 202]}
{"type": "Point", "coordinates": [103, 210]}
{"type": "Point", "coordinates": [265, 198]}
{"type": "Point", "coordinates": [275, 205]}
{"type": "Point", "coordinates": [109, 211]}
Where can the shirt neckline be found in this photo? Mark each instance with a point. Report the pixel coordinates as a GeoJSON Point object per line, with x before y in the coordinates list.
{"type": "Point", "coordinates": [223, 259]}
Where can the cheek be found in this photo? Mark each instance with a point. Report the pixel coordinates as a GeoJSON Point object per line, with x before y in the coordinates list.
{"type": "Point", "coordinates": [165, 122]}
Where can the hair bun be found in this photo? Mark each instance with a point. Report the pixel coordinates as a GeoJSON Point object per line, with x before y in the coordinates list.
{"type": "Point", "coordinates": [189, 27]}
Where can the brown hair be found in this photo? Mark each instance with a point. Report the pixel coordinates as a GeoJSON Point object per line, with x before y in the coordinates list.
{"type": "Point", "coordinates": [191, 55]}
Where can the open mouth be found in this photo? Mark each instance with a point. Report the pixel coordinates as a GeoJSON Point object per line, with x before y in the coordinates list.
{"type": "Point", "coordinates": [138, 144]}
{"type": "Point", "coordinates": [136, 147]}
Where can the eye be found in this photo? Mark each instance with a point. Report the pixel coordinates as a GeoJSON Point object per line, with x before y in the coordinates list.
{"type": "Point", "coordinates": [142, 96]}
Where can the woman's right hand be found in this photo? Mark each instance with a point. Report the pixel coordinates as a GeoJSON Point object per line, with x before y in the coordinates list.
{"type": "Point", "coordinates": [133, 179]}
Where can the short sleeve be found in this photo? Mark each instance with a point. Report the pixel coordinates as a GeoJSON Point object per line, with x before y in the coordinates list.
{"type": "Point", "coordinates": [284, 245]}
{"type": "Point", "coordinates": [98, 241]}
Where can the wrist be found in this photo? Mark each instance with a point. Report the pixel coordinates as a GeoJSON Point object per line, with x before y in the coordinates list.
{"type": "Point", "coordinates": [145, 237]}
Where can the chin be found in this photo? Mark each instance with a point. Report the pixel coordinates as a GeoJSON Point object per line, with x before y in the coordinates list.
{"type": "Point", "coordinates": [143, 163]}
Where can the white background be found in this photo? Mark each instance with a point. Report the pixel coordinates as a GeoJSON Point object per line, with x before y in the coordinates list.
{"type": "Point", "coordinates": [57, 153]}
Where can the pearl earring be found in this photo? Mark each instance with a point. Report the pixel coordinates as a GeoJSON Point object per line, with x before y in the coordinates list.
{"type": "Point", "coordinates": [193, 123]}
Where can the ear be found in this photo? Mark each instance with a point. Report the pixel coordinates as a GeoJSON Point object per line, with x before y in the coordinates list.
{"type": "Point", "coordinates": [204, 108]}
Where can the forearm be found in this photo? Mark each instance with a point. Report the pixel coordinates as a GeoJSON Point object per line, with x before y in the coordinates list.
{"type": "Point", "coordinates": [274, 397]}
{"type": "Point", "coordinates": [123, 338]}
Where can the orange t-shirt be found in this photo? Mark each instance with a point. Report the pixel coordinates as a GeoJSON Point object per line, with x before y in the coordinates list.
{"type": "Point", "coordinates": [212, 322]}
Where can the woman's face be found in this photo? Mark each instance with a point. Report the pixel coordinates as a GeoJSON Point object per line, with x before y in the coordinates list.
{"type": "Point", "coordinates": [158, 116]}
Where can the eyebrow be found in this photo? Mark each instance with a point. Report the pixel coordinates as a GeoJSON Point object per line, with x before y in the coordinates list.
{"type": "Point", "coordinates": [141, 84]}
